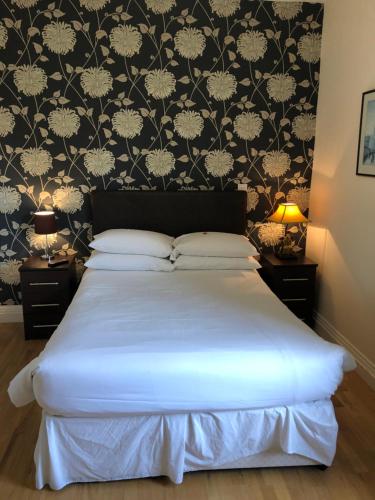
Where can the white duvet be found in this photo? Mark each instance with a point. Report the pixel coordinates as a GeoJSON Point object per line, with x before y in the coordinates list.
{"type": "Point", "coordinates": [136, 342]}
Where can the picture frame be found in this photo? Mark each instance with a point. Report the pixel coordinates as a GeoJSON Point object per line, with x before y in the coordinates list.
{"type": "Point", "coordinates": [366, 144]}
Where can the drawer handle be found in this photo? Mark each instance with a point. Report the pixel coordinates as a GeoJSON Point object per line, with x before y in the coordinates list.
{"type": "Point", "coordinates": [294, 300]}
{"type": "Point", "coordinates": [44, 326]}
{"type": "Point", "coordinates": [295, 279]}
{"type": "Point", "coordinates": [45, 283]}
{"type": "Point", "coordinates": [45, 305]}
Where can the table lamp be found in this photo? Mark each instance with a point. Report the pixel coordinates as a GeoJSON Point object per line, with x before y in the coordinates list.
{"type": "Point", "coordinates": [287, 213]}
{"type": "Point", "coordinates": [45, 223]}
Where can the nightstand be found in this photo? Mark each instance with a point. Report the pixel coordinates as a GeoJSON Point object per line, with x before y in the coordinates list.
{"type": "Point", "coordinates": [293, 281]}
{"type": "Point", "coordinates": [46, 294]}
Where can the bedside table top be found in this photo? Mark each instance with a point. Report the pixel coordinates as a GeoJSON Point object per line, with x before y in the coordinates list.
{"type": "Point", "coordinates": [35, 263]}
{"type": "Point", "coordinates": [276, 262]}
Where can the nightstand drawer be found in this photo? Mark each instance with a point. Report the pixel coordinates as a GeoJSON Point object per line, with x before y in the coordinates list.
{"type": "Point", "coordinates": [41, 326]}
{"type": "Point", "coordinates": [35, 305]}
{"type": "Point", "coordinates": [295, 283]}
{"type": "Point", "coordinates": [43, 295]}
{"type": "Point", "coordinates": [295, 289]}
{"type": "Point", "coordinates": [298, 274]}
{"type": "Point", "coordinates": [43, 280]}
{"type": "Point", "coordinates": [302, 309]}
{"type": "Point", "coordinates": [41, 288]}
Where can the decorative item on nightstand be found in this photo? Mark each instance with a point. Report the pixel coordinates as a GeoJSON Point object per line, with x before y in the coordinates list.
{"type": "Point", "coordinates": [45, 223]}
{"type": "Point", "coordinates": [287, 213]}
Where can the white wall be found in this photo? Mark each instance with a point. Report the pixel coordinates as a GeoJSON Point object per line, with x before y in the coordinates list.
{"type": "Point", "coordinates": [342, 234]}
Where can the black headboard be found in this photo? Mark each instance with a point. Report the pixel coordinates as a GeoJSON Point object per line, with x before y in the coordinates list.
{"type": "Point", "coordinates": [172, 213]}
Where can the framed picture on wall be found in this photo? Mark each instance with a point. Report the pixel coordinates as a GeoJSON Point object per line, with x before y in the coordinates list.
{"type": "Point", "coordinates": [366, 146]}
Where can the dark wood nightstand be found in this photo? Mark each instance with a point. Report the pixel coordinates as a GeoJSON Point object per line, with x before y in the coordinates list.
{"type": "Point", "coordinates": [46, 294]}
{"type": "Point", "coordinates": [293, 281]}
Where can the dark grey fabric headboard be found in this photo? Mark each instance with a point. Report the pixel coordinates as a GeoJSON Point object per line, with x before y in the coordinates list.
{"type": "Point", "coordinates": [172, 213]}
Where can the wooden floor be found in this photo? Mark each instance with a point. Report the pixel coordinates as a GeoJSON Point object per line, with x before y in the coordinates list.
{"type": "Point", "coordinates": [351, 477]}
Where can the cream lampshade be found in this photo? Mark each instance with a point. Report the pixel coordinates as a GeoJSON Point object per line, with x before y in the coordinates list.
{"type": "Point", "coordinates": [287, 213]}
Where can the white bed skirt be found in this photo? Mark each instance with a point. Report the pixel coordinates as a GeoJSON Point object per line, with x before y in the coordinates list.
{"type": "Point", "coordinates": [71, 450]}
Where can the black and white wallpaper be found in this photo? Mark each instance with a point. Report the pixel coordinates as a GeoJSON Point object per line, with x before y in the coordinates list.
{"type": "Point", "coordinates": [152, 95]}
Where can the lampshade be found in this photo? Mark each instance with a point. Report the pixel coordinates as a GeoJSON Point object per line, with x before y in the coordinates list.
{"type": "Point", "coordinates": [45, 222]}
{"type": "Point", "coordinates": [287, 213]}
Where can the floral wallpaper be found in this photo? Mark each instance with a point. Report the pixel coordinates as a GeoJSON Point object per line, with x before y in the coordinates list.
{"type": "Point", "coordinates": [151, 95]}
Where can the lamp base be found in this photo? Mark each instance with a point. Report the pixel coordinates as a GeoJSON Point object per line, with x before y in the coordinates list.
{"type": "Point", "coordinates": [286, 256]}
{"type": "Point", "coordinates": [47, 257]}
{"type": "Point", "coordinates": [284, 251]}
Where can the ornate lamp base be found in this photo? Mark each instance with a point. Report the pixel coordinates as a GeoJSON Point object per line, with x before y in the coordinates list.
{"type": "Point", "coordinates": [286, 256]}
{"type": "Point", "coordinates": [285, 250]}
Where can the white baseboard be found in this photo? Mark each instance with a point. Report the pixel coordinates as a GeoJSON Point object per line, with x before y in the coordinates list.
{"type": "Point", "coordinates": [11, 314]}
{"type": "Point", "coordinates": [366, 368]}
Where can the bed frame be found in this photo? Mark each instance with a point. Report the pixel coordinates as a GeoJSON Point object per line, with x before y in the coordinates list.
{"type": "Point", "coordinates": [172, 213]}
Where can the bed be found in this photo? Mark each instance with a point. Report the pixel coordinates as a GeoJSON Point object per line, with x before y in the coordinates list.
{"type": "Point", "coordinates": [154, 373]}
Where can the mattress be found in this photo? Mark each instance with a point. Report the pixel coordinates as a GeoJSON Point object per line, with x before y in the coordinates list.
{"type": "Point", "coordinates": [138, 343]}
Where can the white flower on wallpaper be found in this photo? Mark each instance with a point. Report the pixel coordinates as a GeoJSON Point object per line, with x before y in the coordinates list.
{"type": "Point", "coordinates": [3, 36]}
{"type": "Point", "coordinates": [25, 3]}
{"type": "Point", "coordinates": [309, 46]}
{"type": "Point", "coordinates": [99, 161]}
{"type": "Point", "coordinates": [126, 40]}
{"type": "Point", "coordinates": [281, 87]}
{"type": "Point", "coordinates": [127, 123]}
{"type": "Point", "coordinates": [64, 122]}
{"type": "Point", "coordinates": [221, 85]}
{"type": "Point", "coordinates": [96, 82]}
{"type": "Point", "coordinates": [303, 126]}
{"type": "Point", "coordinates": [252, 45]}
{"type": "Point", "coordinates": [248, 125]}
{"type": "Point", "coordinates": [160, 83]}
{"type": "Point", "coordinates": [160, 162]}
{"type": "Point", "coordinates": [10, 200]}
{"type": "Point", "coordinates": [287, 10]}
{"type": "Point", "coordinates": [299, 195]}
{"type": "Point", "coordinates": [276, 163]}
{"type": "Point", "coordinates": [9, 273]}
{"type": "Point", "coordinates": [270, 233]}
{"type": "Point", "coordinates": [30, 80]}
{"type": "Point", "coordinates": [93, 4]}
{"type": "Point", "coordinates": [219, 163]}
{"type": "Point", "coordinates": [224, 8]}
{"type": "Point", "coordinates": [188, 124]}
{"type": "Point", "coordinates": [252, 199]}
{"type": "Point", "coordinates": [38, 241]}
{"type": "Point", "coordinates": [7, 122]}
{"type": "Point", "coordinates": [160, 6]}
{"type": "Point", "coordinates": [36, 161]}
{"type": "Point", "coordinates": [59, 37]}
{"type": "Point", "coordinates": [190, 42]}
{"type": "Point", "coordinates": [68, 199]}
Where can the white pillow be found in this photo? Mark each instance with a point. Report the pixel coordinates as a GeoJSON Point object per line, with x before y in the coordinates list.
{"type": "Point", "coordinates": [208, 263]}
{"type": "Point", "coordinates": [133, 241]}
{"type": "Point", "coordinates": [121, 262]}
{"type": "Point", "coordinates": [212, 244]}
